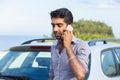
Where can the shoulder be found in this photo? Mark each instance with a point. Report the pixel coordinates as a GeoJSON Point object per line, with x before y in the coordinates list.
{"type": "Point", "coordinates": [82, 45]}
{"type": "Point", "coordinates": [54, 44]}
{"type": "Point", "coordinates": [78, 41]}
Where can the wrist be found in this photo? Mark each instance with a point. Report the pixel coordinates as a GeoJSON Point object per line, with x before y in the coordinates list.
{"type": "Point", "coordinates": [69, 52]}
{"type": "Point", "coordinates": [71, 58]}
{"type": "Point", "coordinates": [68, 47]}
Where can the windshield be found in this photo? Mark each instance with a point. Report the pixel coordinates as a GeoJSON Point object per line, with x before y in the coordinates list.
{"type": "Point", "coordinates": [34, 65]}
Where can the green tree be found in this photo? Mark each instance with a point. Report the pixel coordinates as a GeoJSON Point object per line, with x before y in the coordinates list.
{"type": "Point", "coordinates": [88, 29]}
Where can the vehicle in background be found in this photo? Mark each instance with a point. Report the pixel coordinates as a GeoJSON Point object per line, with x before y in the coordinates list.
{"type": "Point", "coordinates": [31, 60]}
{"type": "Point", "coordinates": [104, 60]}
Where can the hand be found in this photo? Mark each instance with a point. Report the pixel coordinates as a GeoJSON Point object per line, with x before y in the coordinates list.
{"type": "Point", "coordinates": [67, 38]}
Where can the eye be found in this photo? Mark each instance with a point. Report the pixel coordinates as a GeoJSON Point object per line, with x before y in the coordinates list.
{"type": "Point", "coordinates": [53, 25]}
{"type": "Point", "coordinates": [60, 25]}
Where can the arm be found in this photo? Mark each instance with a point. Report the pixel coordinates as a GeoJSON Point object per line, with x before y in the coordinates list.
{"type": "Point", "coordinates": [75, 64]}
{"type": "Point", "coordinates": [51, 78]}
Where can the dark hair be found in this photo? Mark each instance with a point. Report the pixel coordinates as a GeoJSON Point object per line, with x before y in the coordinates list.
{"type": "Point", "coordinates": [62, 13]}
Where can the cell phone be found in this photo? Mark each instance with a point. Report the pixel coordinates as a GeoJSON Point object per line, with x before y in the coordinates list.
{"type": "Point", "coordinates": [69, 27]}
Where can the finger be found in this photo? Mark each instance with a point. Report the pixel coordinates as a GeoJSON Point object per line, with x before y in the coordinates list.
{"type": "Point", "coordinates": [68, 32]}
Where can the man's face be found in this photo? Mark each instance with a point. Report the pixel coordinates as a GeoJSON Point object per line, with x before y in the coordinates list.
{"type": "Point", "coordinates": [59, 26]}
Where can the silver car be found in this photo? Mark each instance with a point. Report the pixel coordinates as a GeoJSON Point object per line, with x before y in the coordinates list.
{"type": "Point", "coordinates": [104, 60]}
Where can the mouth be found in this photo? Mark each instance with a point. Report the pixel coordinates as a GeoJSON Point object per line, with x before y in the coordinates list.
{"type": "Point", "coordinates": [57, 35]}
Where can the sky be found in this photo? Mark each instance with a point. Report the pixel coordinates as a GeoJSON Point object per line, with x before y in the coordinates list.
{"type": "Point", "coordinates": [31, 17]}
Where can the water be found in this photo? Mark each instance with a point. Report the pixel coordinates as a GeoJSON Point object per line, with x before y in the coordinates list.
{"type": "Point", "coordinates": [7, 41]}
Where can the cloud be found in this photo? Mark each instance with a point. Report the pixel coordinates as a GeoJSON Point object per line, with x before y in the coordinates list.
{"type": "Point", "coordinates": [103, 4]}
{"type": "Point", "coordinates": [117, 1]}
{"type": "Point", "coordinates": [109, 4]}
{"type": "Point", "coordinates": [106, 6]}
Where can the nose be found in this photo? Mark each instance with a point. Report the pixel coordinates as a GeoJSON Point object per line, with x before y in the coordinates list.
{"type": "Point", "coordinates": [55, 28]}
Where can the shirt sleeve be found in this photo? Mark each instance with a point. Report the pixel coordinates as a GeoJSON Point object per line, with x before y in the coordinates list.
{"type": "Point", "coordinates": [82, 54]}
{"type": "Point", "coordinates": [51, 73]}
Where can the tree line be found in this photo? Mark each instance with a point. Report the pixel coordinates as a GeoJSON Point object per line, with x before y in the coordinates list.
{"type": "Point", "coordinates": [88, 30]}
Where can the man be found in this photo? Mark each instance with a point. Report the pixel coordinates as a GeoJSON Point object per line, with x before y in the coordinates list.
{"type": "Point", "coordinates": [69, 55]}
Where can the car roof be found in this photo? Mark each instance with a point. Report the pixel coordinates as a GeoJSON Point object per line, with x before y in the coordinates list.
{"type": "Point", "coordinates": [34, 45]}
{"type": "Point", "coordinates": [104, 46]}
{"type": "Point", "coordinates": [42, 40]}
{"type": "Point", "coordinates": [46, 43]}
{"type": "Point", "coordinates": [104, 43]}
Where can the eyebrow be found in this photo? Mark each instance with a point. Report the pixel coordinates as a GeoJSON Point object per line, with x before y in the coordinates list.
{"type": "Point", "coordinates": [56, 23]}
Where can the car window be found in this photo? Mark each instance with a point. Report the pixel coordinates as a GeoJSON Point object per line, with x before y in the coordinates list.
{"type": "Point", "coordinates": [42, 60]}
{"type": "Point", "coordinates": [21, 58]}
{"type": "Point", "coordinates": [34, 65]}
{"type": "Point", "coordinates": [108, 63]}
{"type": "Point", "coordinates": [118, 54]}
